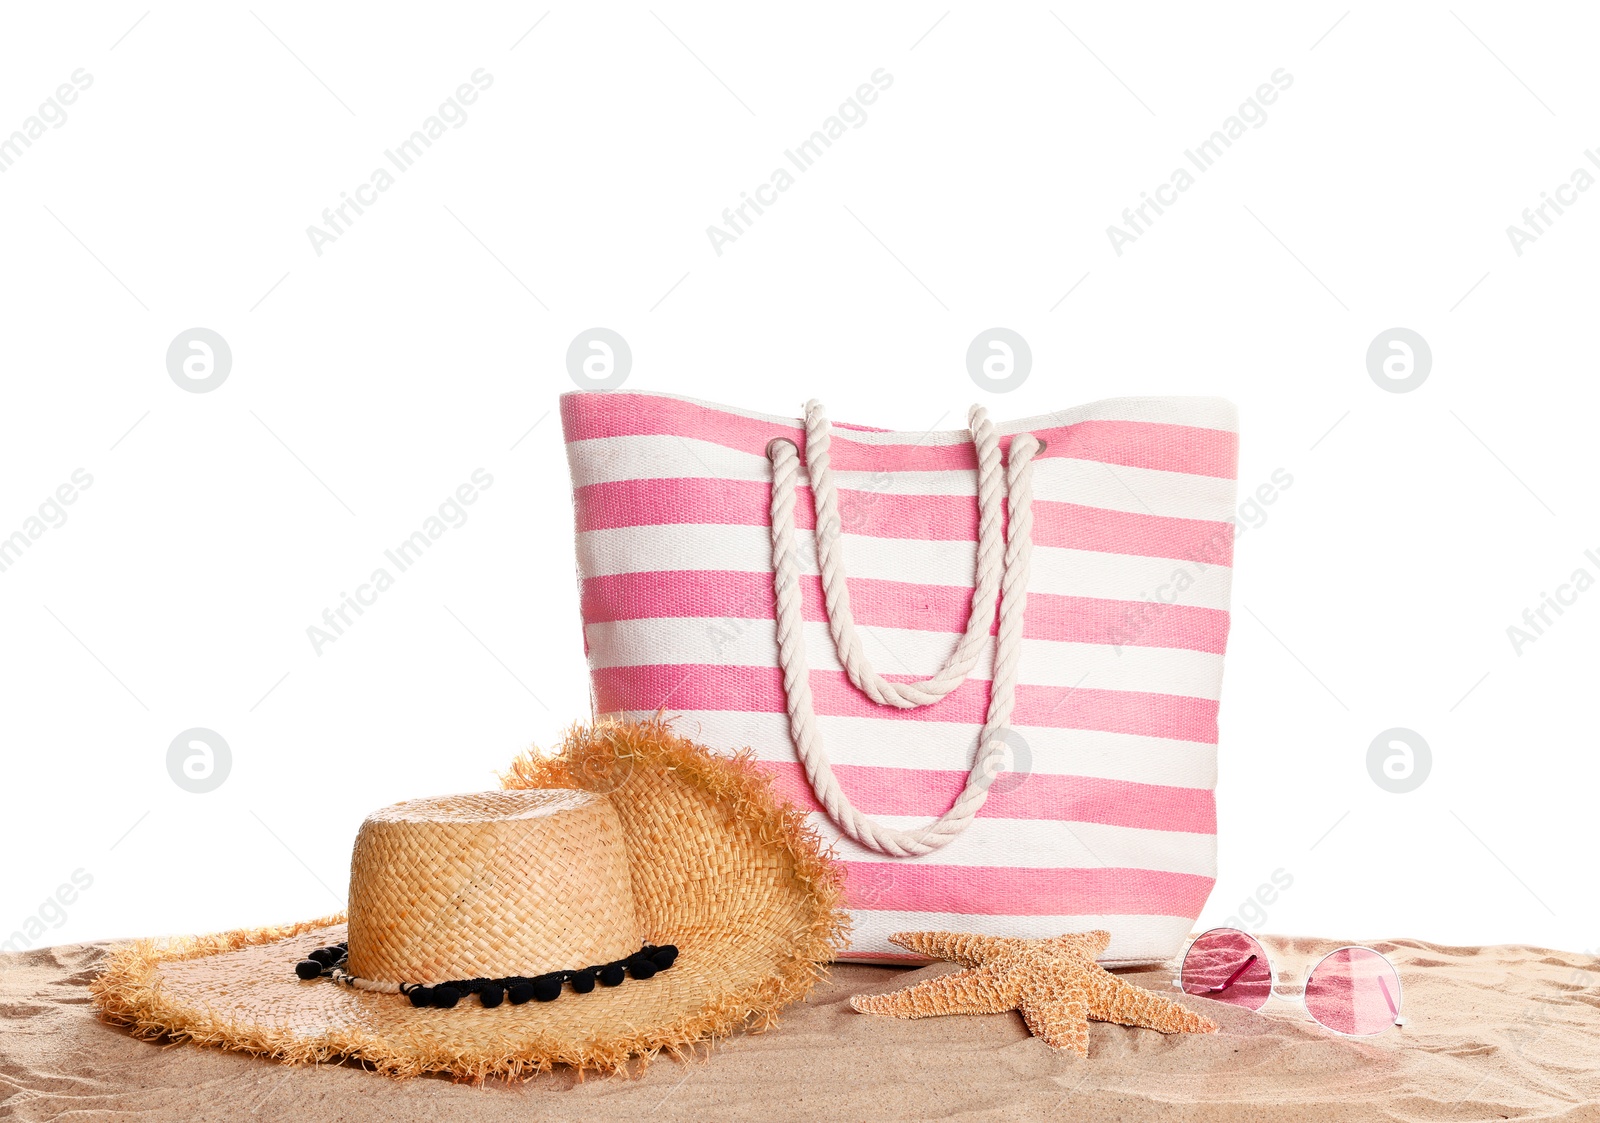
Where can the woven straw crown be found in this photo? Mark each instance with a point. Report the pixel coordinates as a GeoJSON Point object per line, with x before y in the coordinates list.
{"type": "Point", "coordinates": [488, 885]}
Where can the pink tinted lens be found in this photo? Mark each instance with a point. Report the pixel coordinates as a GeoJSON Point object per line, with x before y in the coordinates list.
{"type": "Point", "coordinates": [1355, 991]}
{"type": "Point", "coordinates": [1229, 966]}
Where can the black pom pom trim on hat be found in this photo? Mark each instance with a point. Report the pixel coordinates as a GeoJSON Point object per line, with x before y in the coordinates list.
{"type": "Point", "coordinates": [321, 961]}
{"type": "Point", "coordinates": [646, 963]}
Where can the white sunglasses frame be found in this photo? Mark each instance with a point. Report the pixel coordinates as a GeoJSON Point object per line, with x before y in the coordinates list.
{"type": "Point", "coordinates": [1300, 999]}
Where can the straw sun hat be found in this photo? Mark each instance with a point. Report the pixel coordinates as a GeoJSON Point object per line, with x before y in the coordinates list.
{"type": "Point", "coordinates": [633, 893]}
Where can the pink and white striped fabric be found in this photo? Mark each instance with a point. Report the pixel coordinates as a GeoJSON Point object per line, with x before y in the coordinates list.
{"type": "Point", "coordinates": [1106, 817]}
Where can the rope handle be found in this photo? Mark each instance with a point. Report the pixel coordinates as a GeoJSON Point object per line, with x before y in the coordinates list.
{"type": "Point", "coordinates": [1002, 571]}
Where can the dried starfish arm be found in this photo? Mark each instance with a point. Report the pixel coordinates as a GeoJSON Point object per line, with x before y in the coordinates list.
{"type": "Point", "coordinates": [964, 948]}
{"type": "Point", "coordinates": [1061, 1022]}
{"type": "Point", "coordinates": [977, 991]}
{"type": "Point", "coordinates": [1115, 1000]}
{"type": "Point", "coordinates": [1091, 944]}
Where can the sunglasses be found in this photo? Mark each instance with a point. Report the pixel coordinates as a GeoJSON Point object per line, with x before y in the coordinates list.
{"type": "Point", "coordinates": [1351, 990]}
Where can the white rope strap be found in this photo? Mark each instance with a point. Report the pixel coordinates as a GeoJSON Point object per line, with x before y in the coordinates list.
{"type": "Point", "coordinates": [836, 591]}
{"type": "Point", "coordinates": [1012, 590]}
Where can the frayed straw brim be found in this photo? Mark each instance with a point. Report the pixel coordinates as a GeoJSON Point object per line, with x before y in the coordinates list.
{"type": "Point", "coordinates": [739, 883]}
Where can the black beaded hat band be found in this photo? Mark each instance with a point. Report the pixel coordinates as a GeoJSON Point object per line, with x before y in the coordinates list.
{"type": "Point", "coordinates": [645, 963]}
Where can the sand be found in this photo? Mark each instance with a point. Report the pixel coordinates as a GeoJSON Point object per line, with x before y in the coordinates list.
{"type": "Point", "coordinates": [1493, 1033]}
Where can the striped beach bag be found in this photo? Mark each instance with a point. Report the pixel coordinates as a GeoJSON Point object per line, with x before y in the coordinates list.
{"type": "Point", "coordinates": [986, 661]}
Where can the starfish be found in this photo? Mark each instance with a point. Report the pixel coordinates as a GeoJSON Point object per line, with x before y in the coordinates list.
{"type": "Point", "coordinates": [1055, 983]}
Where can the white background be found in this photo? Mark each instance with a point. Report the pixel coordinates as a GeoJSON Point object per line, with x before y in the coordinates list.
{"type": "Point", "coordinates": [429, 341]}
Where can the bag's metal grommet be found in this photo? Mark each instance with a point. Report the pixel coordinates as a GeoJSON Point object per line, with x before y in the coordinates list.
{"type": "Point", "coordinates": [781, 440]}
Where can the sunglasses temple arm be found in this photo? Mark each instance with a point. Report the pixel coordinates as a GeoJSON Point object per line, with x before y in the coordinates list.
{"type": "Point", "coordinates": [1389, 998]}
{"type": "Point", "coordinates": [1233, 978]}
